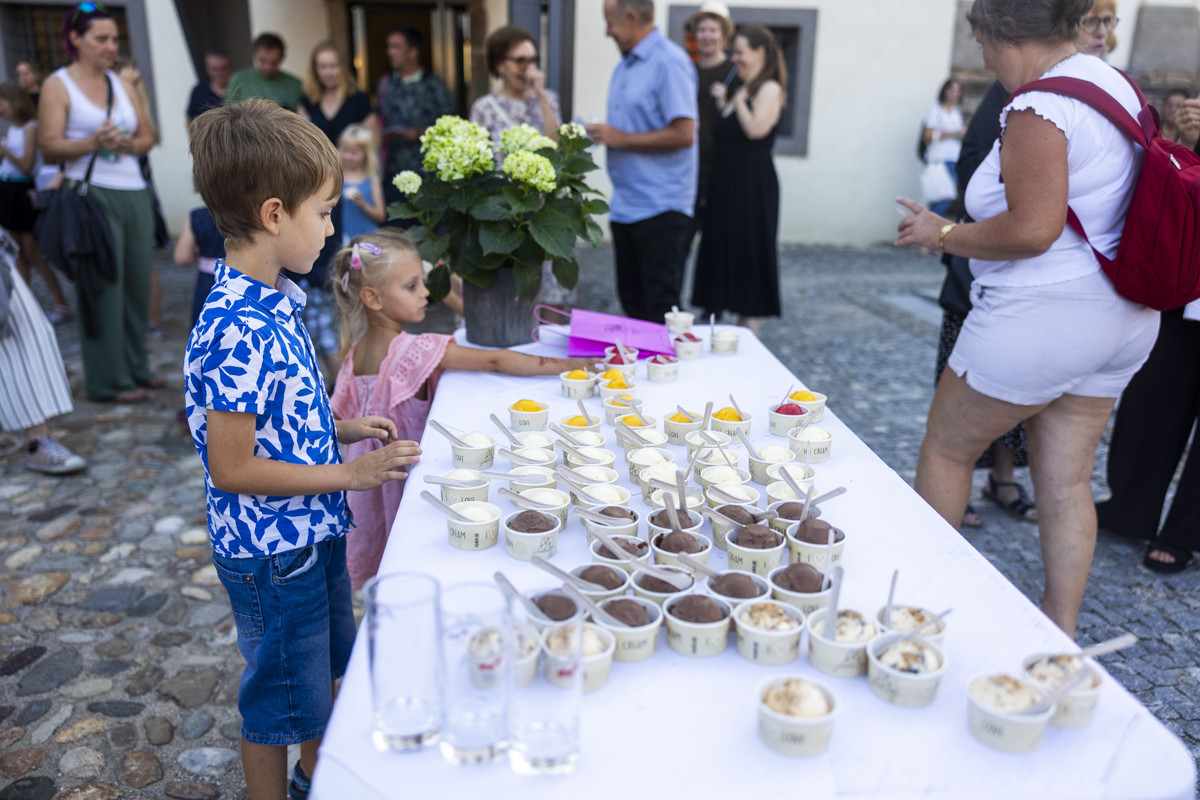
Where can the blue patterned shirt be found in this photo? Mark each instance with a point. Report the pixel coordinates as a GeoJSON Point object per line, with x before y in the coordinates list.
{"type": "Point", "coordinates": [249, 352]}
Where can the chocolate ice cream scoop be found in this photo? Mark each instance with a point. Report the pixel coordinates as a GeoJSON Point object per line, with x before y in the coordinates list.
{"type": "Point", "coordinates": [631, 612]}
{"type": "Point", "coordinates": [679, 542]}
{"type": "Point", "coordinates": [814, 531]}
{"type": "Point", "coordinates": [637, 548]}
{"type": "Point", "coordinates": [531, 522]}
{"type": "Point", "coordinates": [755, 537]}
{"type": "Point", "coordinates": [738, 514]}
{"type": "Point", "coordinates": [652, 584]}
{"type": "Point", "coordinates": [697, 608]}
{"type": "Point", "coordinates": [804, 578]}
{"type": "Point", "coordinates": [736, 584]}
{"type": "Point", "coordinates": [662, 518]}
{"type": "Point", "coordinates": [617, 512]}
{"type": "Point", "coordinates": [607, 577]}
{"type": "Point", "coordinates": [790, 510]}
{"type": "Point", "coordinates": [556, 606]}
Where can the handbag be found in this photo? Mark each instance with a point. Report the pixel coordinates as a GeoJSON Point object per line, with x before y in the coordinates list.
{"type": "Point", "coordinates": [936, 183]}
{"type": "Point", "coordinates": [590, 332]}
{"type": "Point", "coordinates": [73, 234]}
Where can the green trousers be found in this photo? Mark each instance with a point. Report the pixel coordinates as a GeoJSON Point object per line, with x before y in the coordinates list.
{"type": "Point", "coordinates": [116, 362]}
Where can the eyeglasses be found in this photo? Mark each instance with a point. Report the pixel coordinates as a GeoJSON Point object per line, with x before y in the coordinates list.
{"type": "Point", "coordinates": [522, 62]}
{"type": "Point", "coordinates": [87, 8]}
{"type": "Point", "coordinates": [1092, 24]}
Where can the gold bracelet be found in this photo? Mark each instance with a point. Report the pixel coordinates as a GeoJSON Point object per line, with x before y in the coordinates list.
{"type": "Point", "coordinates": [942, 236]}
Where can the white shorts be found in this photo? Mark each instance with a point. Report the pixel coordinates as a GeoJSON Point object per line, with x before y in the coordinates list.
{"type": "Point", "coordinates": [1028, 345]}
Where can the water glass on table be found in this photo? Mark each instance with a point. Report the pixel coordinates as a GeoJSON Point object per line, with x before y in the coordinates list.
{"type": "Point", "coordinates": [544, 714]}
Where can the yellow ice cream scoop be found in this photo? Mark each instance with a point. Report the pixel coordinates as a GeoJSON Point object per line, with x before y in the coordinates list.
{"type": "Point", "coordinates": [803, 396]}
{"type": "Point", "coordinates": [612, 374]}
{"type": "Point", "coordinates": [526, 405]}
{"type": "Point", "coordinates": [578, 421]}
{"type": "Point", "coordinates": [633, 421]}
{"type": "Point", "coordinates": [622, 400]}
{"type": "Point", "coordinates": [617, 382]}
{"type": "Point", "coordinates": [728, 414]}
{"type": "Point", "coordinates": [678, 417]}
{"type": "Point", "coordinates": [577, 375]}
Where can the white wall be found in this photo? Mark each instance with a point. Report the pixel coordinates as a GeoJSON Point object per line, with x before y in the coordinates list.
{"type": "Point", "coordinates": [865, 114]}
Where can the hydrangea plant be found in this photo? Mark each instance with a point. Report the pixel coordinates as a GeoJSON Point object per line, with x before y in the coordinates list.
{"type": "Point", "coordinates": [472, 218]}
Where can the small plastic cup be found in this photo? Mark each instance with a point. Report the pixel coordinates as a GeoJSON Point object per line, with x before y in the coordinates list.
{"type": "Point", "coordinates": [666, 559]}
{"type": "Point", "coordinates": [794, 735]}
{"type": "Point", "coordinates": [721, 493]}
{"type": "Point", "coordinates": [531, 478]}
{"type": "Point", "coordinates": [758, 562]}
{"type": "Point", "coordinates": [731, 426]}
{"type": "Point", "coordinates": [697, 639]}
{"type": "Point", "coordinates": [1004, 731]}
{"type": "Point", "coordinates": [577, 388]}
{"type": "Point", "coordinates": [781, 523]}
{"type": "Point", "coordinates": [814, 407]}
{"type": "Point", "coordinates": [598, 595]}
{"type": "Point", "coordinates": [769, 454]}
{"type": "Point", "coordinates": [474, 535]}
{"type": "Point", "coordinates": [627, 527]}
{"type": "Point", "coordinates": [805, 601]}
{"type": "Point", "coordinates": [529, 420]}
{"type": "Point", "coordinates": [814, 442]}
{"type": "Point", "coordinates": [524, 546]}
{"type": "Point", "coordinates": [782, 424]}
{"type": "Point", "coordinates": [640, 458]}
{"type": "Point", "coordinates": [908, 689]}
{"type": "Point", "coordinates": [839, 659]}
{"type": "Point", "coordinates": [596, 546]}
{"type": "Point", "coordinates": [535, 440]}
{"type": "Point", "coordinates": [474, 457]}
{"type": "Point", "coordinates": [592, 425]}
{"type": "Point", "coordinates": [603, 495]}
{"type": "Point", "coordinates": [596, 667]}
{"type": "Point", "coordinates": [452, 494]}
{"type": "Point", "coordinates": [678, 321]}
{"type": "Point", "coordinates": [658, 598]}
{"type": "Point", "coordinates": [799, 473]}
{"type": "Point", "coordinates": [1079, 706]}
{"type": "Point", "coordinates": [558, 499]}
{"type": "Point", "coordinates": [639, 643]}
{"type": "Point", "coordinates": [687, 350]}
{"type": "Point", "coordinates": [765, 646]}
{"type": "Point", "coordinates": [695, 441]}
{"type": "Point", "coordinates": [724, 343]}
{"type": "Point", "coordinates": [663, 369]}
{"type": "Point", "coordinates": [607, 390]}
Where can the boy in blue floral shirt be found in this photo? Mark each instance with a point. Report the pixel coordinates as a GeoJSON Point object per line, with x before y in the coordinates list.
{"type": "Point", "coordinates": [260, 418]}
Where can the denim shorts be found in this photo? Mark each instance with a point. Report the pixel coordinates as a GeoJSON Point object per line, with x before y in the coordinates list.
{"type": "Point", "coordinates": [295, 627]}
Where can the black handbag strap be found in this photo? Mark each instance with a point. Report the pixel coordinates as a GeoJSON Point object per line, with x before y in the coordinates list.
{"type": "Point", "coordinates": [87, 176]}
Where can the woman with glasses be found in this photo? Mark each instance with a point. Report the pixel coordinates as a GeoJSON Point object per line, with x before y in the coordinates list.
{"type": "Point", "coordinates": [1048, 341]}
{"type": "Point", "coordinates": [523, 97]}
{"type": "Point", "coordinates": [75, 124]}
{"type": "Point", "coordinates": [1096, 29]}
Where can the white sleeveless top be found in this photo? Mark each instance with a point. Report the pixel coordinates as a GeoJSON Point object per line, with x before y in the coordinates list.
{"type": "Point", "coordinates": [112, 171]}
{"type": "Point", "coordinates": [16, 140]}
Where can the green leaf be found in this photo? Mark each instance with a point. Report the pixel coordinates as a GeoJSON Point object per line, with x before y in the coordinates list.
{"type": "Point", "coordinates": [522, 202]}
{"type": "Point", "coordinates": [595, 234]}
{"type": "Point", "coordinates": [402, 209]}
{"type": "Point", "coordinates": [499, 237]}
{"type": "Point", "coordinates": [566, 272]}
{"type": "Point", "coordinates": [492, 208]}
{"type": "Point", "coordinates": [462, 199]}
{"type": "Point", "coordinates": [528, 278]}
{"type": "Point", "coordinates": [433, 196]}
{"type": "Point", "coordinates": [554, 232]}
{"type": "Point", "coordinates": [483, 278]}
{"type": "Point", "coordinates": [433, 249]}
{"type": "Point", "coordinates": [594, 205]}
{"type": "Point", "coordinates": [438, 283]}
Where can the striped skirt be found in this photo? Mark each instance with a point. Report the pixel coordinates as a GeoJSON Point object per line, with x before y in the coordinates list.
{"type": "Point", "coordinates": [33, 383]}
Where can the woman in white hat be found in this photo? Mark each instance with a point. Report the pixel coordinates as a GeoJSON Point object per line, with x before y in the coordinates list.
{"type": "Point", "coordinates": [713, 30]}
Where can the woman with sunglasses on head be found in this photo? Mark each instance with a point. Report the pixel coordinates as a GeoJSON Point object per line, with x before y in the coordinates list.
{"type": "Point", "coordinates": [523, 97]}
{"type": "Point", "coordinates": [76, 124]}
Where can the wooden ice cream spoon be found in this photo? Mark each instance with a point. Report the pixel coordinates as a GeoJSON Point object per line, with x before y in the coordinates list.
{"type": "Point", "coordinates": [523, 501]}
{"type": "Point", "coordinates": [531, 608]}
{"type": "Point", "coordinates": [696, 564]}
{"type": "Point", "coordinates": [454, 440]}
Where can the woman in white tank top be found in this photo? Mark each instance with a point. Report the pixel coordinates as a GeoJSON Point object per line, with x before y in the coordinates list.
{"type": "Point", "coordinates": [74, 127]}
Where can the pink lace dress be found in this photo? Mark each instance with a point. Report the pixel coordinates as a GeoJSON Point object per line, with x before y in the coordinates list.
{"type": "Point", "coordinates": [411, 362]}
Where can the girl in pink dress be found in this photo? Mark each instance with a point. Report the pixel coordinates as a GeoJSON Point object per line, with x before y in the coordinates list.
{"type": "Point", "coordinates": [379, 284]}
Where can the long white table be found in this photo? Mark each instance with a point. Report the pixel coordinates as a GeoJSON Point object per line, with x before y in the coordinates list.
{"type": "Point", "coordinates": [673, 724]}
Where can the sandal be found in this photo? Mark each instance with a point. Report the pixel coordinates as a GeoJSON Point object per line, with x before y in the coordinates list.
{"type": "Point", "coordinates": [1182, 557]}
{"type": "Point", "coordinates": [1018, 508]}
{"type": "Point", "coordinates": [155, 383]}
{"type": "Point", "coordinates": [971, 518]}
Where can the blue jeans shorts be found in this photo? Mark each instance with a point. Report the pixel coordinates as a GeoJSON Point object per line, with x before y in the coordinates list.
{"type": "Point", "coordinates": [295, 626]}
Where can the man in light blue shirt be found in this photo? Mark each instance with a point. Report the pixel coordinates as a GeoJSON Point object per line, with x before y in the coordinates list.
{"type": "Point", "coordinates": [652, 158]}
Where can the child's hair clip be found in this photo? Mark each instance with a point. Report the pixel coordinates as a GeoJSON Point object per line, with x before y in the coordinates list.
{"type": "Point", "coordinates": [345, 283]}
{"type": "Point", "coordinates": [373, 249]}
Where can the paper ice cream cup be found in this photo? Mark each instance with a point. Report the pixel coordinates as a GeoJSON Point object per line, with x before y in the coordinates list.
{"type": "Point", "coordinates": [779, 523]}
{"type": "Point", "coordinates": [535, 440]}
{"type": "Point", "coordinates": [631, 353]}
{"type": "Point", "coordinates": [630, 420]}
{"type": "Point", "coordinates": [781, 424]}
{"type": "Point", "coordinates": [736, 602]}
{"type": "Point", "coordinates": [741, 494]}
{"type": "Point", "coordinates": [628, 370]}
{"type": "Point", "coordinates": [524, 546]}
{"type": "Point", "coordinates": [907, 689]}
{"type": "Point", "coordinates": [687, 351]}
{"type": "Point", "coordinates": [529, 420]}
{"type": "Point", "coordinates": [636, 644]}
{"type": "Point", "coordinates": [473, 457]}
{"type": "Point", "coordinates": [730, 426]}
{"type": "Point", "coordinates": [577, 388]}
{"type": "Point", "coordinates": [596, 546]}
{"type": "Point", "coordinates": [692, 525]}
{"type": "Point", "coordinates": [814, 407]}
{"type": "Point", "coordinates": [678, 321]}
{"type": "Point", "coordinates": [615, 408]}
{"type": "Point", "coordinates": [807, 602]}
{"type": "Point", "coordinates": [604, 594]}
{"type": "Point", "coordinates": [658, 497]}
{"type": "Point", "coordinates": [676, 431]}
{"type": "Point", "coordinates": [815, 554]}
{"type": "Point", "coordinates": [606, 458]}
{"type": "Point", "coordinates": [620, 498]}
{"type": "Point", "coordinates": [695, 441]}
{"type": "Point", "coordinates": [757, 562]}
{"type": "Point", "coordinates": [637, 461]}
{"type": "Point", "coordinates": [593, 425]}
{"type": "Point", "coordinates": [596, 667]}
{"type": "Point", "coordinates": [607, 391]}
{"type": "Point", "coordinates": [839, 659]}
{"type": "Point", "coordinates": [801, 474]}
{"type": "Point", "coordinates": [452, 495]}
{"type": "Point", "coordinates": [554, 497]}
{"type": "Point", "coordinates": [706, 481]}
{"type": "Point", "coordinates": [780, 492]}
{"type": "Point", "coordinates": [724, 343]}
{"type": "Point", "coordinates": [935, 634]}
{"type": "Point", "coordinates": [794, 736]}
{"type": "Point", "coordinates": [663, 373]}
{"type": "Point", "coordinates": [767, 647]}
{"type": "Point", "coordinates": [663, 558]}
{"type": "Point", "coordinates": [658, 598]}
{"type": "Point", "coordinates": [721, 530]}
{"type": "Point", "coordinates": [1079, 706]}
{"type": "Point", "coordinates": [697, 639]}
{"type": "Point", "coordinates": [531, 478]}
{"type": "Point", "coordinates": [625, 528]}
{"type": "Point", "coordinates": [1006, 732]}
{"type": "Point", "coordinates": [474, 535]}
{"type": "Point", "coordinates": [816, 450]}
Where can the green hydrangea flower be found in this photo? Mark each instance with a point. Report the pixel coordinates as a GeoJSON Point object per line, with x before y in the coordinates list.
{"type": "Point", "coordinates": [523, 138]}
{"type": "Point", "coordinates": [572, 130]}
{"type": "Point", "coordinates": [408, 182]}
{"type": "Point", "coordinates": [456, 149]}
{"type": "Point", "coordinates": [530, 169]}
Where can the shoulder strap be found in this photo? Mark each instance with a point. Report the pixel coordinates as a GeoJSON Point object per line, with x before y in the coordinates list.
{"type": "Point", "coordinates": [87, 176]}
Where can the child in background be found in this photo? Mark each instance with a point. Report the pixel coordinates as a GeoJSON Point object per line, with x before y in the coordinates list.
{"type": "Point", "coordinates": [201, 244]}
{"type": "Point", "coordinates": [18, 163]}
{"type": "Point", "coordinates": [379, 283]}
{"type": "Point", "coordinates": [260, 419]}
{"type": "Point", "coordinates": [362, 189]}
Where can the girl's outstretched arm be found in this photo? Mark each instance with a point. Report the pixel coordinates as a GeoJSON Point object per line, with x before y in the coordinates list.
{"type": "Point", "coordinates": [508, 362]}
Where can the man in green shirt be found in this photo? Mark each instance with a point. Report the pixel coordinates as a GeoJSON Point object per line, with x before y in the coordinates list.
{"type": "Point", "coordinates": [265, 79]}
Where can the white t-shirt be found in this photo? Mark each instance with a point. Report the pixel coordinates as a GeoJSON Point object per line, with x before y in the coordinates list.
{"type": "Point", "coordinates": [16, 140]}
{"type": "Point", "coordinates": [943, 121]}
{"type": "Point", "coordinates": [1103, 166]}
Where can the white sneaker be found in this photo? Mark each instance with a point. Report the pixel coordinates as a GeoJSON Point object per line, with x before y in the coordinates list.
{"type": "Point", "coordinates": [45, 454]}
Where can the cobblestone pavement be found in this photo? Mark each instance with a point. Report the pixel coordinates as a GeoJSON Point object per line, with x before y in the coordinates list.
{"type": "Point", "coordinates": [118, 664]}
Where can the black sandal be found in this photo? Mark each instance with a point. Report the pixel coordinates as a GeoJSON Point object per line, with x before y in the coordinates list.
{"type": "Point", "coordinates": [1018, 508]}
{"type": "Point", "coordinates": [1182, 557]}
{"type": "Point", "coordinates": [971, 518]}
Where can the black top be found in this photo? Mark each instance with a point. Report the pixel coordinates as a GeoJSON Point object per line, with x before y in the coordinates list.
{"type": "Point", "coordinates": [708, 109]}
{"type": "Point", "coordinates": [203, 99]}
{"type": "Point", "coordinates": [355, 108]}
{"type": "Point", "coordinates": [209, 241]}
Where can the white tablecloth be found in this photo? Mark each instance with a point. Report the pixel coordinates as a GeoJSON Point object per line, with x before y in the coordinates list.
{"type": "Point", "coordinates": [680, 725]}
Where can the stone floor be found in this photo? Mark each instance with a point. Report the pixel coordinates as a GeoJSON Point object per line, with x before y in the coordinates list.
{"type": "Point", "coordinates": [118, 664]}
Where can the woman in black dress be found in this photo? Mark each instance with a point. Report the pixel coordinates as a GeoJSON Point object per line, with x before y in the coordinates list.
{"type": "Point", "coordinates": [738, 266]}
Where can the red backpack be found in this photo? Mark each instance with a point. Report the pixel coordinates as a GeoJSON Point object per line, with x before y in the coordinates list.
{"type": "Point", "coordinates": [1158, 259]}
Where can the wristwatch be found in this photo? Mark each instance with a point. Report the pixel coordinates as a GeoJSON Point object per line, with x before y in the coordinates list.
{"type": "Point", "coordinates": [942, 236]}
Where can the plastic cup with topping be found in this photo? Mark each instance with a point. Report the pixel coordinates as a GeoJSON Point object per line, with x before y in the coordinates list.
{"type": "Point", "coordinates": [528, 415]}
{"type": "Point", "coordinates": [768, 633]}
{"type": "Point", "coordinates": [813, 441]}
{"type": "Point", "coordinates": [662, 369]}
{"type": "Point", "coordinates": [524, 545]}
{"type": "Point", "coordinates": [454, 494]}
{"type": "Point", "coordinates": [622, 526]}
{"type": "Point", "coordinates": [696, 439]}
{"type": "Point", "coordinates": [722, 474]}
{"type": "Point", "coordinates": [697, 639]}
{"type": "Point", "coordinates": [749, 559]}
{"type": "Point", "coordinates": [904, 673]}
{"type": "Point", "coordinates": [781, 422]}
{"type": "Point", "coordinates": [577, 422]}
{"type": "Point", "coordinates": [724, 343]}
{"type": "Point", "coordinates": [906, 619]}
{"type": "Point", "coordinates": [730, 426]}
{"type": "Point", "coordinates": [812, 402]}
{"type": "Point", "coordinates": [719, 494]}
{"type": "Point", "coordinates": [531, 478]}
{"type": "Point", "coordinates": [1047, 670]}
{"type": "Point", "coordinates": [577, 384]}
{"type": "Point", "coordinates": [994, 706]}
{"type": "Point", "coordinates": [481, 532]}
{"type": "Point", "coordinates": [556, 498]}
{"type": "Point", "coordinates": [688, 346]}
{"type": "Point", "coordinates": [761, 585]}
{"type": "Point", "coordinates": [480, 455]}
{"type": "Point", "coordinates": [598, 647]}
{"type": "Point", "coordinates": [641, 457]}
{"type": "Point", "coordinates": [802, 552]}
{"type": "Point", "coordinates": [807, 602]}
{"type": "Point", "coordinates": [846, 655]}
{"type": "Point", "coordinates": [795, 715]}
{"type": "Point", "coordinates": [597, 595]}
{"type": "Point", "coordinates": [639, 642]}
{"type": "Point", "coordinates": [597, 549]}
{"type": "Point", "coordinates": [678, 321]}
{"type": "Point", "coordinates": [646, 587]}
{"type": "Point", "coordinates": [768, 453]}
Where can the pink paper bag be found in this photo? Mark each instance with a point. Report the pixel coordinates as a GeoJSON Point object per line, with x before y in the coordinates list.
{"type": "Point", "coordinates": [592, 331]}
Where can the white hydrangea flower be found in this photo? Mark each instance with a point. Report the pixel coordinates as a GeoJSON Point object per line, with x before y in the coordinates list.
{"type": "Point", "coordinates": [531, 169]}
{"type": "Point", "coordinates": [408, 182]}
